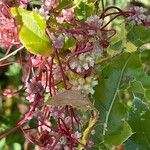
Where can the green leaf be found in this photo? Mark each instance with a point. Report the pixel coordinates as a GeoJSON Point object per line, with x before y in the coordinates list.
{"type": "Point", "coordinates": [84, 10]}
{"type": "Point", "coordinates": [139, 120]}
{"type": "Point", "coordinates": [33, 123]}
{"type": "Point", "coordinates": [2, 143]}
{"type": "Point", "coordinates": [69, 42]}
{"type": "Point", "coordinates": [124, 69]}
{"type": "Point", "coordinates": [114, 48]}
{"type": "Point", "coordinates": [130, 47]}
{"type": "Point", "coordinates": [120, 136]}
{"type": "Point", "coordinates": [135, 71]}
{"type": "Point", "coordinates": [13, 70]}
{"type": "Point", "coordinates": [136, 87]}
{"type": "Point", "coordinates": [113, 113]}
{"type": "Point", "coordinates": [138, 35]}
{"type": "Point", "coordinates": [64, 4]}
{"type": "Point", "coordinates": [16, 146]}
{"type": "Point", "coordinates": [14, 73]}
{"type": "Point", "coordinates": [145, 55]}
{"type": "Point", "coordinates": [130, 145]}
{"type": "Point", "coordinates": [32, 33]}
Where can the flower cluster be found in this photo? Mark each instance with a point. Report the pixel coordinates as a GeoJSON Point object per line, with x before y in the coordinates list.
{"type": "Point", "coordinates": [95, 21]}
{"type": "Point", "coordinates": [84, 84]}
{"type": "Point", "coordinates": [82, 62]}
{"type": "Point", "coordinates": [137, 15]}
{"type": "Point", "coordinates": [34, 88]}
{"type": "Point", "coordinates": [8, 31]}
{"type": "Point", "coordinates": [46, 7]}
{"type": "Point", "coordinates": [63, 132]}
{"type": "Point", "coordinates": [66, 15]}
{"type": "Point", "coordinates": [57, 42]}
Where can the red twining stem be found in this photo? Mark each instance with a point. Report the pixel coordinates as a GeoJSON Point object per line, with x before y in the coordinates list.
{"type": "Point", "coordinates": [50, 75]}
{"type": "Point", "coordinates": [61, 68]}
{"type": "Point", "coordinates": [29, 69]}
{"type": "Point", "coordinates": [121, 14]}
{"type": "Point", "coordinates": [108, 8]}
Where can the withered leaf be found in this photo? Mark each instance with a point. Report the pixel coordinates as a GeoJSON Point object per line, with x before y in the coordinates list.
{"type": "Point", "coordinates": [73, 98]}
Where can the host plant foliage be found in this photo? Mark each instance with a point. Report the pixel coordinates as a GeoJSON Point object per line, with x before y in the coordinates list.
{"type": "Point", "coordinates": [85, 72]}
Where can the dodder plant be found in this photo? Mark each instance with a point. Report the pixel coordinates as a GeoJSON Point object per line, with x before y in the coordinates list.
{"type": "Point", "coordinates": [84, 74]}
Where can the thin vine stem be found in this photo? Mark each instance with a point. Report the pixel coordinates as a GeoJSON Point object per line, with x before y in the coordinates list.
{"type": "Point", "coordinates": [103, 6]}
{"type": "Point", "coordinates": [11, 54]}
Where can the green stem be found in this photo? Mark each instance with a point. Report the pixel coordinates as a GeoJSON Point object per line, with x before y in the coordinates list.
{"type": "Point", "coordinates": [87, 131]}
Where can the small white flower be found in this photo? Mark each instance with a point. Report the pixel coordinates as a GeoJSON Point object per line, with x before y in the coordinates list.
{"type": "Point", "coordinates": [94, 83]}
{"type": "Point", "coordinates": [79, 69]}
{"type": "Point", "coordinates": [81, 57]}
{"type": "Point", "coordinates": [30, 98]}
{"type": "Point", "coordinates": [73, 64]}
{"type": "Point", "coordinates": [63, 140]}
{"type": "Point", "coordinates": [91, 91]}
{"type": "Point", "coordinates": [86, 66]}
{"type": "Point", "coordinates": [91, 63]}
{"type": "Point", "coordinates": [76, 135]}
{"type": "Point", "coordinates": [47, 3]}
{"type": "Point", "coordinates": [91, 32]}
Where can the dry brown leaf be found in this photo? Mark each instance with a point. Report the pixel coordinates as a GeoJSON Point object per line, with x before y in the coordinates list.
{"type": "Point", "coordinates": [73, 98]}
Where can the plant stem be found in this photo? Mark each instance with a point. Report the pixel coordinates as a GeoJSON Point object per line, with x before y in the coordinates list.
{"type": "Point", "coordinates": [87, 131]}
{"type": "Point", "coordinates": [61, 68]}
{"type": "Point", "coordinates": [9, 132]}
{"type": "Point", "coordinates": [13, 53]}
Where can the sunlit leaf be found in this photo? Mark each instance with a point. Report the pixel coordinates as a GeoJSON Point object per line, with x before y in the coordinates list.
{"type": "Point", "coordinates": [138, 35]}
{"type": "Point", "coordinates": [32, 32]}
{"type": "Point", "coordinates": [129, 47]}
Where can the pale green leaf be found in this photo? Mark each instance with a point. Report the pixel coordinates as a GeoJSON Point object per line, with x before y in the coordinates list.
{"type": "Point", "coordinates": [120, 136]}
{"type": "Point", "coordinates": [138, 35]}
{"type": "Point", "coordinates": [130, 47]}
{"type": "Point", "coordinates": [32, 35]}
{"type": "Point", "coordinates": [64, 4]}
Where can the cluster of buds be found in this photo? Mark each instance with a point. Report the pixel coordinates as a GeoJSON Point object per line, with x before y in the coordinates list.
{"type": "Point", "coordinates": [82, 62]}
{"type": "Point", "coordinates": [138, 15]}
{"type": "Point", "coordinates": [46, 7]}
{"type": "Point", "coordinates": [54, 128]}
{"type": "Point", "coordinates": [95, 21]}
{"type": "Point", "coordinates": [66, 15]}
{"type": "Point", "coordinates": [84, 84]}
{"type": "Point", "coordinates": [8, 30]}
{"type": "Point", "coordinates": [34, 89]}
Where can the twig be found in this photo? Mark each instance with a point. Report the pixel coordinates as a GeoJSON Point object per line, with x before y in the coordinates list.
{"type": "Point", "coordinates": [13, 53]}
{"type": "Point", "coordinates": [86, 134]}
